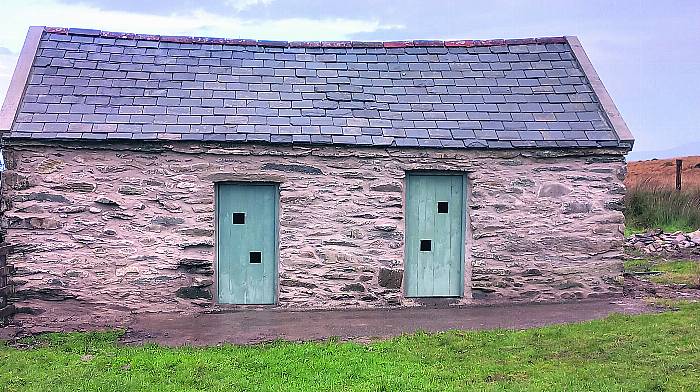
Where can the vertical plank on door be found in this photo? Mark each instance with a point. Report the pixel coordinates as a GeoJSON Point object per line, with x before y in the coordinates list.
{"type": "Point", "coordinates": [443, 231]}
{"type": "Point", "coordinates": [457, 223]}
{"type": "Point", "coordinates": [426, 222]}
{"type": "Point", "coordinates": [410, 246]}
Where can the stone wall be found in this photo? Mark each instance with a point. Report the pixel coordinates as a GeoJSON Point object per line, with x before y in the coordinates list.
{"type": "Point", "coordinates": [7, 309]}
{"type": "Point", "coordinates": [102, 233]}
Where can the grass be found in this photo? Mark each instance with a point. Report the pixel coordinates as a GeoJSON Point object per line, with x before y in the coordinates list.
{"type": "Point", "coordinates": [685, 272]}
{"type": "Point", "coordinates": [635, 230]}
{"type": "Point", "coordinates": [654, 352]}
{"type": "Point", "coordinates": [648, 207]}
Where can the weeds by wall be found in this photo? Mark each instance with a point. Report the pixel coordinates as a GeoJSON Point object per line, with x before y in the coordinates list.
{"type": "Point", "coordinates": [649, 206]}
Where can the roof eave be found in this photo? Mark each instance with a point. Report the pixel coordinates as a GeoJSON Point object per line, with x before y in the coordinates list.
{"type": "Point", "coordinates": [18, 83]}
{"type": "Point", "coordinates": [618, 124]}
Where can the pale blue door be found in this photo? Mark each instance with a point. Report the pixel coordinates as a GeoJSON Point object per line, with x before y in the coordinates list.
{"type": "Point", "coordinates": [434, 250]}
{"type": "Point", "coordinates": [246, 243]}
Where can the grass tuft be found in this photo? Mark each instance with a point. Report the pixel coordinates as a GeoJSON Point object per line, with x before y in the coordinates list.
{"type": "Point", "coordinates": [650, 207]}
{"type": "Point", "coordinates": [684, 272]}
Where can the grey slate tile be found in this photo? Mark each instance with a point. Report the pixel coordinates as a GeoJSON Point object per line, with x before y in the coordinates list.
{"type": "Point", "coordinates": [499, 144]}
{"type": "Point", "coordinates": [523, 143]}
{"type": "Point", "coordinates": [476, 143]}
{"type": "Point", "coordinates": [449, 143]}
{"type": "Point", "coordinates": [600, 135]}
{"type": "Point", "coordinates": [485, 134]}
{"type": "Point", "coordinates": [463, 134]}
{"type": "Point", "coordinates": [404, 142]}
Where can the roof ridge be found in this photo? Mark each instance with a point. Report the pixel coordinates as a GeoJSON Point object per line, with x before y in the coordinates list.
{"type": "Point", "coordinates": [306, 44]}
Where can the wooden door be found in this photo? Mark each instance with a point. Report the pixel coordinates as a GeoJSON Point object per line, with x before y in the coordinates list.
{"type": "Point", "coordinates": [246, 243]}
{"type": "Point", "coordinates": [434, 249]}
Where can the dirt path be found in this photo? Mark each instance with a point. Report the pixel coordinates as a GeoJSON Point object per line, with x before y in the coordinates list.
{"type": "Point", "coordinates": [254, 326]}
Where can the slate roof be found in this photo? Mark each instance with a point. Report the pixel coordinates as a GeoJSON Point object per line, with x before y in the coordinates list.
{"type": "Point", "coordinates": [88, 84]}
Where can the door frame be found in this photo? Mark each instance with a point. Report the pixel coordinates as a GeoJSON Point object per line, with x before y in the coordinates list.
{"type": "Point", "coordinates": [215, 285]}
{"type": "Point", "coordinates": [464, 228]}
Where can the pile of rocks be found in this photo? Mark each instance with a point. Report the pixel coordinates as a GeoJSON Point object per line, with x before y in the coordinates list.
{"type": "Point", "coordinates": [657, 241]}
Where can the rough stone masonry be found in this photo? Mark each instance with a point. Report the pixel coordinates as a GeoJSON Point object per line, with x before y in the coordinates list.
{"type": "Point", "coordinates": [106, 230]}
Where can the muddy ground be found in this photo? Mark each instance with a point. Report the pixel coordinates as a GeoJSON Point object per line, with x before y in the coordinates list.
{"type": "Point", "coordinates": [638, 288]}
{"type": "Point", "coordinates": [255, 326]}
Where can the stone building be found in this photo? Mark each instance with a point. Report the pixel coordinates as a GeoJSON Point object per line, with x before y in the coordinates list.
{"type": "Point", "coordinates": [181, 174]}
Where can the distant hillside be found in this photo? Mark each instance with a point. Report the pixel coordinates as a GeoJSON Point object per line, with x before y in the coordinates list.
{"type": "Point", "coordinates": [662, 173]}
{"type": "Point", "coordinates": [689, 149]}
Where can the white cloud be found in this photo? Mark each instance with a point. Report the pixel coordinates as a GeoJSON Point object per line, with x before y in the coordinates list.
{"type": "Point", "coordinates": [242, 5]}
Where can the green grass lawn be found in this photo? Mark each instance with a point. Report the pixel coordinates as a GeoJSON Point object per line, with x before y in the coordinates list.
{"type": "Point", "coordinates": [658, 352]}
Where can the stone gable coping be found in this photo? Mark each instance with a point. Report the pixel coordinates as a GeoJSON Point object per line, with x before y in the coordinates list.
{"type": "Point", "coordinates": [19, 78]}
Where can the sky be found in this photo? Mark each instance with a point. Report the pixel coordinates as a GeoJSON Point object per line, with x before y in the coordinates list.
{"type": "Point", "coordinates": [646, 52]}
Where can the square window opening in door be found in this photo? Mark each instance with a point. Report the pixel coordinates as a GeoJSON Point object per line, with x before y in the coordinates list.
{"type": "Point", "coordinates": [443, 207]}
{"type": "Point", "coordinates": [255, 257]}
{"type": "Point", "coordinates": [426, 245]}
{"type": "Point", "coordinates": [239, 218]}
